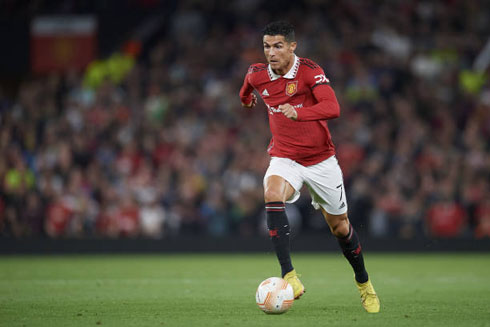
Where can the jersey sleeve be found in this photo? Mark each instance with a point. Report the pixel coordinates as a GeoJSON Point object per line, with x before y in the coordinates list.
{"type": "Point", "coordinates": [247, 88]}
{"type": "Point", "coordinates": [327, 106]}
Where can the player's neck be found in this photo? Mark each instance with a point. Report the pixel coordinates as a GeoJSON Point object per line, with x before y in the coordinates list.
{"type": "Point", "coordinates": [284, 71]}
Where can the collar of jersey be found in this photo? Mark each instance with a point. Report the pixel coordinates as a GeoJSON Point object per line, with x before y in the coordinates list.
{"type": "Point", "coordinates": [290, 74]}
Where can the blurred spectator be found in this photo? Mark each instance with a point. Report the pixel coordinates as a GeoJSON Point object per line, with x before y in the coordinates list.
{"type": "Point", "coordinates": [152, 219]}
{"type": "Point", "coordinates": [446, 219]}
{"type": "Point", "coordinates": [482, 214]}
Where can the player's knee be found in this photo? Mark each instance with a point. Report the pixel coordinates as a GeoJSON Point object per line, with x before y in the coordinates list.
{"type": "Point", "coordinates": [340, 227]}
{"type": "Point", "coordinates": [272, 195]}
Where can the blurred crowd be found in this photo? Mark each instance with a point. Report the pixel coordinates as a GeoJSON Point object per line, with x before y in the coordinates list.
{"type": "Point", "coordinates": [170, 151]}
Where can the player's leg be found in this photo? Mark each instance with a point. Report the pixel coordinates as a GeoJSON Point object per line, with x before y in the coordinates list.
{"type": "Point", "coordinates": [351, 247]}
{"type": "Point", "coordinates": [326, 186]}
{"type": "Point", "coordinates": [349, 243]}
{"type": "Point", "coordinates": [276, 191]}
{"type": "Point", "coordinates": [281, 184]}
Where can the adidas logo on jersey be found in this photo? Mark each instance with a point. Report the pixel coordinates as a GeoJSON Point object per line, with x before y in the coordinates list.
{"type": "Point", "coordinates": [265, 93]}
{"type": "Point", "coordinates": [342, 205]}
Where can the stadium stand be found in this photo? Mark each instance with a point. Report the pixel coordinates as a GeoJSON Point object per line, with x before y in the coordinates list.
{"type": "Point", "coordinates": [169, 151]}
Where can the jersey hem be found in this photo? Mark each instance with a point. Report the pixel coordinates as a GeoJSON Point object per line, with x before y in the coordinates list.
{"type": "Point", "coordinates": [307, 162]}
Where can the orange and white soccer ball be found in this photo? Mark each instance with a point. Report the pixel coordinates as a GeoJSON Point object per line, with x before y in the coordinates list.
{"type": "Point", "coordinates": [274, 295]}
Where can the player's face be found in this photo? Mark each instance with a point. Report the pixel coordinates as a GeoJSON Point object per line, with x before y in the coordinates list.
{"type": "Point", "coordinates": [279, 53]}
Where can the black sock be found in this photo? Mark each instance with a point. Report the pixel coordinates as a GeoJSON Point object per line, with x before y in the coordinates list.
{"type": "Point", "coordinates": [352, 251]}
{"type": "Point", "coordinates": [279, 230]}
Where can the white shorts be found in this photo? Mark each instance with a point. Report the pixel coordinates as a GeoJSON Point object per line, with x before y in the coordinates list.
{"type": "Point", "coordinates": [324, 181]}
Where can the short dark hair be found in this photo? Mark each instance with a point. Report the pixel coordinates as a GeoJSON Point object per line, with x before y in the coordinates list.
{"type": "Point", "coordinates": [280, 27]}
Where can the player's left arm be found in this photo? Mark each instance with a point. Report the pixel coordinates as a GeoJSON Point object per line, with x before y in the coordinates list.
{"type": "Point", "coordinates": [327, 106]}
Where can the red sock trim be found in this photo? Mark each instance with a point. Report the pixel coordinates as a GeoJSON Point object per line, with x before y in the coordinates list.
{"type": "Point", "coordinates": [275, 206]}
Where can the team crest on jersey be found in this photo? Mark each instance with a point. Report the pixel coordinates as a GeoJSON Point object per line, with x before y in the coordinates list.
{"type": "Point", "coordinates": [291, 88]}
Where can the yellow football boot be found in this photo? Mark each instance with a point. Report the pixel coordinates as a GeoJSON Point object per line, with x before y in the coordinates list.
{"type": "Point", "coordinates": [298, 288]}
{"type": "Point", "coordinates": [369, 299]}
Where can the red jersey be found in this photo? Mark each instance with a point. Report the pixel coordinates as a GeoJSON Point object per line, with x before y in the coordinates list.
{"type": "Point", "coordinates": [305, 140]}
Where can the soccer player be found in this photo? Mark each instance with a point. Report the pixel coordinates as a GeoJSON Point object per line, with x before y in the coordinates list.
{"type": "Point", "coordinates": [300, 101]}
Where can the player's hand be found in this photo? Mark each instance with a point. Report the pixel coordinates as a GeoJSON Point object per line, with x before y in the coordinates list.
{"type": "Point", "coordinates": [252, 103]}
{"type": "Point", "coordinates": [288, 111]}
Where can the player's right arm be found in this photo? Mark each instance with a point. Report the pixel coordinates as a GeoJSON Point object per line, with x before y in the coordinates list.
{"type": "Point", "coordinates": [247, 97]}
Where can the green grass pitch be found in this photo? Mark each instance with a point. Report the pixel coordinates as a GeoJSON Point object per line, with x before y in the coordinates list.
{"type": "Point", "coordinates": [219, 290]}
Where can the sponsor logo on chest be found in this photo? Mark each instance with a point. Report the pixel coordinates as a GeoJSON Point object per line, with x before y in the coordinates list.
{"type": "Point", "coordinates": [273, 110]}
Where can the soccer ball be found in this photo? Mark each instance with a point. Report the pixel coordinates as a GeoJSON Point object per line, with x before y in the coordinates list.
{"type": "Point", "coordinates": [274, 295]}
